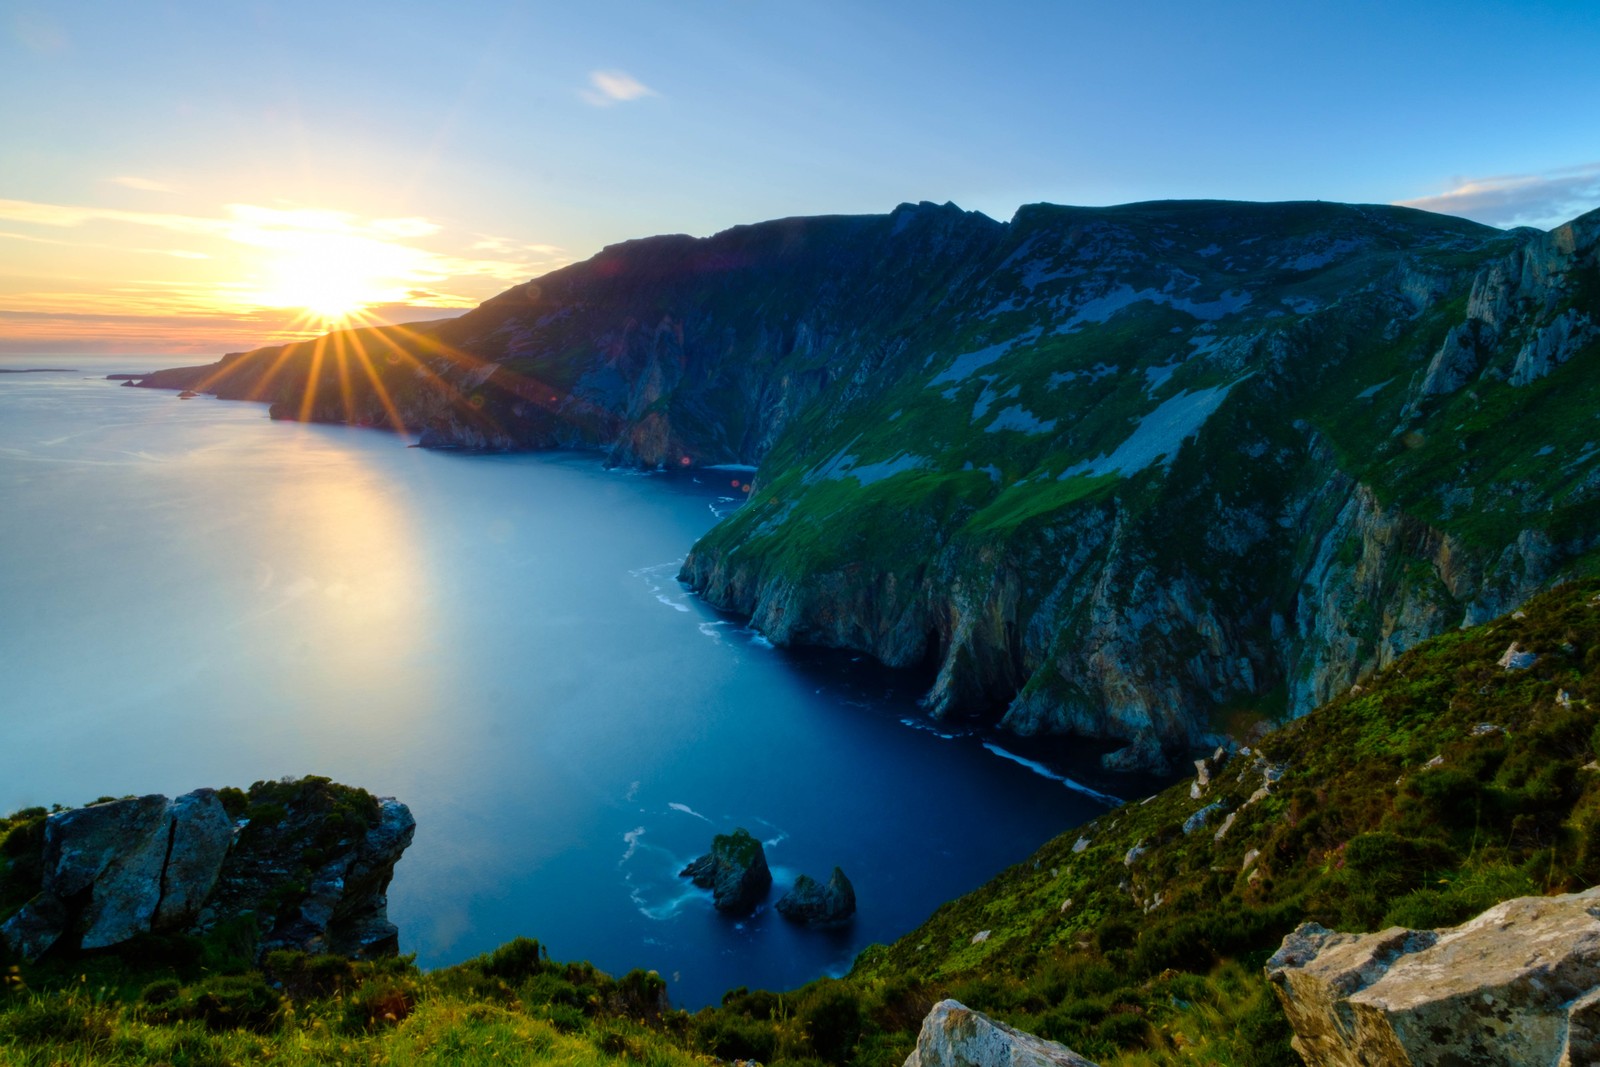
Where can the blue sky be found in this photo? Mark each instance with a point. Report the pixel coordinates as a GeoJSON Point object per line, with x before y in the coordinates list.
{"type": "Point", "coordinates": [165, 168]}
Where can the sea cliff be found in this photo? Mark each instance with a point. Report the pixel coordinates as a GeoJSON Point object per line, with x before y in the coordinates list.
{"type": "Point", "coordinates": [1149, 473]}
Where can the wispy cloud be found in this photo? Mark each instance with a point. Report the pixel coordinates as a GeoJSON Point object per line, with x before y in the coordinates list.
{"type": "Point", "coordinates": [608, 87]}
{"type": "Point", "coordinates": [147, 185]}
{"type": "Point", "coordinates": [1540, 200]}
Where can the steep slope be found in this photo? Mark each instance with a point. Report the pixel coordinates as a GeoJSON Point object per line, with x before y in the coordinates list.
{"type": "Point", "coordinates": [1458, 777]}
{"type": "Point", "coordinates": [1148, 473]}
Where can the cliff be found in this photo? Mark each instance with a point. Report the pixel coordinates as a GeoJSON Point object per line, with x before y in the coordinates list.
{"type": "Point", "coordinates": [1147, 473]}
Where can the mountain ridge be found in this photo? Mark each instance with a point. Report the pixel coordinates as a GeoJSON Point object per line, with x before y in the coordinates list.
{"type": "Point", "coordinates": [1153, 472]}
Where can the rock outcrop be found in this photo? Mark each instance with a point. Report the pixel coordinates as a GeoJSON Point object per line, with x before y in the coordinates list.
{"type": "Point", "coordinates": [953, 1035]}
{"type": "Point", "coordinates": [1518, 985]}
{"type": "Point", "coordinates": [307, 862]}
{"type": "Point", "coordinates": [810, 903]}
{"type": "Point", "coordinates": [735, 870]}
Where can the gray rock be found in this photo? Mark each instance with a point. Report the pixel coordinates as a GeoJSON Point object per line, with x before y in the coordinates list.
{"type": "Point", "coordinates": [1201, 817]}
{"type": "Point", "coordinates": [811, 903]}
{"type": "Point", "coordinates": [116, 870]}
{"type": "Point", "coordinates": [118, 851]}
{"type": "Point", "coordinates": [200, 835]}
{"type": "Point", "coordinates": [31, 932]}
{"type": "Point", "coordinates": [1518, 985]}
{"type": "Point", "coordinates": [144, 863]}
{"type": "Point", "coordinates": [953, 1035]}
{"type": "Point", "coordinates": [735, 870]}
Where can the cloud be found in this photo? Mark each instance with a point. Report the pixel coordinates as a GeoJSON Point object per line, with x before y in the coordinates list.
{"type": "Point", "coordinates": [505, 246]}
{"type": "Point", "coordinates": [148, 185]}
{"type": "Point", "coordinates": [609, 87]}
{"type": "Point", "coordinates": [1540, 200]}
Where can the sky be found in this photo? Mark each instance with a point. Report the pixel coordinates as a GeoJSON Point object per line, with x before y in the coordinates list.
{"type": "Point", "coordinates": [203, 177]}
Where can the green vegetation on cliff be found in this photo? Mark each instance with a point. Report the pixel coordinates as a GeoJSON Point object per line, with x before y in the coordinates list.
{"type": "Point", "coordinates": [1457, 777]}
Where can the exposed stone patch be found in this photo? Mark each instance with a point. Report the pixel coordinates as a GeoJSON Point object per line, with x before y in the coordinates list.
{"type": "Point", "coordinates": [953, 1035]}
{"type": "Point", "coordinates": [1518, 985]}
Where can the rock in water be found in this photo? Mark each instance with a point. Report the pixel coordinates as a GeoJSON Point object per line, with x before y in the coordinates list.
{"type": "Point", "coordinates": [953, 1035]}
{"type": "Point", "coordinates": [813, 904]}
{"type": "Point", "coordinates": [735, 870]}
{"type": "Point", "coordinates": [311, 868]}
{"type": "Point", "coordinates": [1518, 985]}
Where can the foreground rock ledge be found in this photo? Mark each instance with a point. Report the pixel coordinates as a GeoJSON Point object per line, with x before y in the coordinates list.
{"type": "Point", "coordinates": [310, 870]}
{"type": "Point", "coordinates": [1518, 985]}
{"type": "Point", "coordinates": [953, 1035]}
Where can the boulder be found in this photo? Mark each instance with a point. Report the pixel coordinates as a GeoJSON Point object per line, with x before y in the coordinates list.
{"type": "Point", "coordinates": [1519, 984]}
{"type": "Point", "coordinates": [123, 868]}
{"type": "Point", "coordinates": [115, 870]}
{"type": "Point", "coordinates": [198, 842]}
{"type": "Point", "coordinates": [735, 870]}
{"type": "Point", "coordinates": [811, 903]}
{"type": "Point", "coordinates": [953, 1035]}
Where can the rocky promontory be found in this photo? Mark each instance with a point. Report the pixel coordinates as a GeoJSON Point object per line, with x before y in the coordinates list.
{"type": "Point", "coordinates": [305, 862]}
{"type": "Point", "coordinates": [735, 870]}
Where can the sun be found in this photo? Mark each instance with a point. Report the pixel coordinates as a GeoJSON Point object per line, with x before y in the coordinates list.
{"type": "Point", "coordinates": [332, 277]}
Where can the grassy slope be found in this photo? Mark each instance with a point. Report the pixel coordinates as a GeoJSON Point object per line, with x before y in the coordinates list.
{"type": "Point", "coordinates": [1362, 829]}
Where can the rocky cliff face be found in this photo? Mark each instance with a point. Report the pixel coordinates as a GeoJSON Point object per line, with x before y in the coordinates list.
{"type": "Point", "coordinates": [307, 862]}
{"type": "Point", "coordinates": [1134, 473]}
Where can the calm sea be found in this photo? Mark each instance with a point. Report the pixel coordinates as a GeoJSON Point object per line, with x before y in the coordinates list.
{"type": "Point", "coordinates": [191, 594]}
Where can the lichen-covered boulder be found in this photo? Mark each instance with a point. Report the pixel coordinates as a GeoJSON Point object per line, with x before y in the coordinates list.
{"type": "Point", "coordinates": [1518, 985]}
{"type": "Point", "coordinates": [735, 870]}
{"type": "Point", "coordinates": [308, 864]}
{"type": "Point", "coordinates": [811, 903]}
{"type": "Point", "coordinates": [953, 1035]}
{"type": "Point", "coordinates": [122, 868]}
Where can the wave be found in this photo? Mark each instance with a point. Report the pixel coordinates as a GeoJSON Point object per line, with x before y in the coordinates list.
{"type": "Point", "coordinates": [1043, 771]}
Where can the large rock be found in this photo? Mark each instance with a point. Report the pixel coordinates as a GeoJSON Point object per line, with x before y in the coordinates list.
{"type": "Point", "coordinates": [312, 873]}
{"type": "Point", "coordinates": [735, 870]}
{"type": "Point", "coordinates": [811, 903]}
{"type": "Point", "coordinates": [953, 1035]}
{"type": "Point", "coordinates": [123, 868]}
{"type": "Point", "coordinates": [1518, 985]}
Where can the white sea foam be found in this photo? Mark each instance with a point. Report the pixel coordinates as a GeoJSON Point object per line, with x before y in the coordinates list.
{"type": "Point", "coordinates": [1045, 772]}
{"type": "Point", "coordinates": [746, 467]}
{"type": "Point", "coordinates": [927, 727]}
{"type": "Point", "coordinates": [632, 838]}
{"type": "Point", "coordinates": [686, 809]}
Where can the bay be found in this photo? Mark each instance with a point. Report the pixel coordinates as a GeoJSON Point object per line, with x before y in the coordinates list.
{"type": "Point", "coordinates": [191, 594]}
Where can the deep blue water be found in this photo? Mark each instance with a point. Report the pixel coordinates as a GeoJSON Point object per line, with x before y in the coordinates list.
{"type": "Point", "coordinates": [191, 594]}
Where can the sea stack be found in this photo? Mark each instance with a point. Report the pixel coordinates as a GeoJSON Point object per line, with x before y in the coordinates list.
{"type": "Point", "coordinates": [735, 870]}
